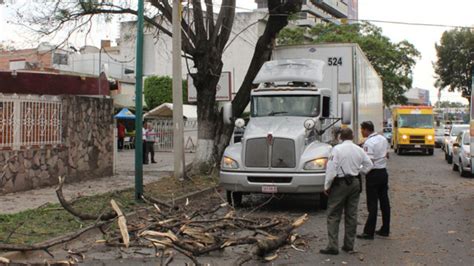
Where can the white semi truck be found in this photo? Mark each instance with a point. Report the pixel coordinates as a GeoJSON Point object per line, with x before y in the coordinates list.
{"type": "Point", "coordinates": [303, 93]}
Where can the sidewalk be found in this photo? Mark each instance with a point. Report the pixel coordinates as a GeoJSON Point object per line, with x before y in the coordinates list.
{"type": "Point", "coordinates": [124, 178]}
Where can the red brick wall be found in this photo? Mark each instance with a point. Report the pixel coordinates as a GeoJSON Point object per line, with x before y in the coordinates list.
{"type": "Point", "coordinates": [43, 59]}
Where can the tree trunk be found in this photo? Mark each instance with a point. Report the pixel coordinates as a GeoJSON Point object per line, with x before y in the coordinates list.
{"type": "Point", "coordinates": [206, 102]}
{"type": "Point", "coordinates": [263, 53]}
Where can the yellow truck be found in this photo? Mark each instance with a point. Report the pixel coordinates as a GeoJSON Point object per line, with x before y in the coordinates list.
{"type": "Point", "coordinates": [413, 129]}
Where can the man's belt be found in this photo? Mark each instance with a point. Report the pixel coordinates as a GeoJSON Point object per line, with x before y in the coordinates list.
{"type": "Point", "coordinates": [348, 179]}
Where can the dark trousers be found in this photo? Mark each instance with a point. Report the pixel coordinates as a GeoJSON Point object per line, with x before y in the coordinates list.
{"type": "Point", "coordinates": [120, 143]}
{"type": "Point", "coordinates": [376, 188]}
{"type": "Point", "coordinates": [145, 152]}
{"type": "Point", "coordinates": [151, 150]}
{"type": "Point", "coordinates": [343, 197]}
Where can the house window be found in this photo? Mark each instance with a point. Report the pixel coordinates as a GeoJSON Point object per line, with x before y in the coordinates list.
{"type": "Point", "coordinates": [60, 59]}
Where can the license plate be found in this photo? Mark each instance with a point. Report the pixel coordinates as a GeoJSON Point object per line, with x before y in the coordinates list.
{"type": "Point", "coordinates": [269, 189]}
{"type": "Point", "coordinates": [417, 146]}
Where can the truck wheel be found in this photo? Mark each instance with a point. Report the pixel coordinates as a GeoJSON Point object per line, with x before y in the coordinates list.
{"type": "Point", "coordinates": [455, 167]}
{"type": "Point", "coordinates": [234, 198]}
{"type": "Point", "coordinates": [323, 201]}
{"type": "Point", "coordinates": [399, 151]}
{"type": "Point", "coordinates": [430, 151]}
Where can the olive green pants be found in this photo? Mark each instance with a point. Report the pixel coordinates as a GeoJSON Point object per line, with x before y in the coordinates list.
{"type": "Point", "coordinates": [343, 197]}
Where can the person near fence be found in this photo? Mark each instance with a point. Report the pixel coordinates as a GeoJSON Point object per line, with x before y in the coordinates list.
{"type": "Point", "coordinates": [145, 151]}
{"type": "Point", "coordinates": [121, 135]}
{"type": "Point", "coordinates": [342, 185]}
{"type": "Point", "coordinates": [150, 142]}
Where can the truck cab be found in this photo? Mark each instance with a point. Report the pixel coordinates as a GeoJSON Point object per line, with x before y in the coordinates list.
{"type": "Point", "coordinates": [413, 129]}
{"type": "Point", "coordinates": [285, 146]}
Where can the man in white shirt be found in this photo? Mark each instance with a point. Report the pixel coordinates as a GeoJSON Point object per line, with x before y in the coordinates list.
{"type": "Point", "coordinates": [342, 185]}
{"type": "Point", "coordinates": [376, 185]}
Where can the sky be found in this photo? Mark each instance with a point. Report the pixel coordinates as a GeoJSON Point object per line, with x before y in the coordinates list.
{"type": "Point", "coordinates": [452, 12]}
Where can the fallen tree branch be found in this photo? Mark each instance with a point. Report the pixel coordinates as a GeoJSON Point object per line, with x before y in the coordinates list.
{"type": "Point", "coordinates": [83, 216]}
{"type": "Point", "coordinates": [153, 200]}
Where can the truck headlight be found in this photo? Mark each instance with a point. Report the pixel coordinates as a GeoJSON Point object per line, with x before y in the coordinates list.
{"type": "Point", "coordinates": [316, 164]}
{"type": "Point", "coordinates": [429, 137]}
{"type": "Point", "coordinates": [404, 137]}
{"type": "Point", "coordinates": [229, 163]}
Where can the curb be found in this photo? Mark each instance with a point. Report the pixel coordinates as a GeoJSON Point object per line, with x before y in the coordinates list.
{"type": "Point", "coordinates": [180, 199]}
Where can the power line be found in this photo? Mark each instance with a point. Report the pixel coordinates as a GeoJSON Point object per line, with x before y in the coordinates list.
{"type": "Point", "coordinates": [409, 23]}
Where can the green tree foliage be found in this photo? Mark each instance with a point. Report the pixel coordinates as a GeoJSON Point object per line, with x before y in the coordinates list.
{"type": "Point", "coordinates": [158, 90]}
{"type": "Point", "coordinates": [448, 104]}
{"type": "Point", "coordinates": [455, 61]}
{"type": "Point", "coordinates": [394, 62]}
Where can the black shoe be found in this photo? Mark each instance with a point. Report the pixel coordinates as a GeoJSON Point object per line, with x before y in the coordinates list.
{"type": "Point", "coordinates": [328, 251]}
{"type": "Point", "coordinates": [365, 236]}
{"type": "Point", "coordinates": [145, 162]}
{"type": "Point", "coordinates": [381, 233]}
{"type": "Point", "coordinates": [153, 161]}
{"type": "Point", "coordinates": [348, 250]}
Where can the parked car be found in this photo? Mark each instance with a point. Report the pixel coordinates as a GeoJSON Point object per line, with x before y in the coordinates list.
{"type": "Point", "coordinates": [439, 137]}
{"type": "Point", "coordinates": [387, 133]}
{"type": "Point", "coordinates": [448, 148]}
{"type": "Point", "coordinates": [462, 153]}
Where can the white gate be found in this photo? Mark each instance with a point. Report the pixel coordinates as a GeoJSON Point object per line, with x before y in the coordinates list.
{"type": "Point", "coordinates": [164, 134]}
{"type": "Point", "coordinates": [30, 120]}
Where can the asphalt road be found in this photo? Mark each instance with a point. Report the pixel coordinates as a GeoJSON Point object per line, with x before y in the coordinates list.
{"type": "Point", "coordinates": [432, 223]}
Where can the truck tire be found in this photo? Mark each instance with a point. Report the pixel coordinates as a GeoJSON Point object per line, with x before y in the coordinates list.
{"type": "Point", "coordinates": [430, 151]}
{"type": "Point", "coordinates": [323, 201]}
{"type": "Point", "coordinates": [234, 198]}
{"type": "Point", "coordinates": [399, 151]}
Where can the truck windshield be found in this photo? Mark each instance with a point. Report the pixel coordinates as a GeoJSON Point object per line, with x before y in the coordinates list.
{"type": "Point", "coordinates": [285, 105]}
{"type": "Point", "coordinates": [415, 121]}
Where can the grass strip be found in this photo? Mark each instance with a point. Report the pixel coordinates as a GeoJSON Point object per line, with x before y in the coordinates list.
{"type": "Point", "coordinates": [51, 220]}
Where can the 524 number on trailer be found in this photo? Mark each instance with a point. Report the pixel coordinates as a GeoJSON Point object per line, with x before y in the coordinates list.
{"type": "Point", "coordinates": [335, 61]}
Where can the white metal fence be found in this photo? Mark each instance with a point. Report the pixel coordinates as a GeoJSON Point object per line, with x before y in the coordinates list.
{"type": "Point", "coordinates": [164, 134]}
{"type": "Point", "coordinates": [30, 121]}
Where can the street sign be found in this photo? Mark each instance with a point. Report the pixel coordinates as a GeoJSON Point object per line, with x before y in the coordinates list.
{"type": "Point", "coordinates": [224, 88]}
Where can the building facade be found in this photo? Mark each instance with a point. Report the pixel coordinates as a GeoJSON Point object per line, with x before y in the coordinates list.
{"type": "Point", "coordinates": [318, 11]}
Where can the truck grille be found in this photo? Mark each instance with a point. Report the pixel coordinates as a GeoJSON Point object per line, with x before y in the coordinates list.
{"type": "Point", "coordinates": [256, 153]}
{"type": "Point", "coordinates": [417, 139]}
{"type": "Point", "coordinates": [282, 153]}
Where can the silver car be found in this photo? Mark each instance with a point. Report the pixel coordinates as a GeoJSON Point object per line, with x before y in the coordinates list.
{"type": "Point", "coordinates": [453, 133]}
{"type": "Point", "coordinates": [462, 153]}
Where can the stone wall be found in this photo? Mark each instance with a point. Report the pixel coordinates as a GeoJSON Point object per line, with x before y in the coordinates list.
{"type": "Point", "coordinates": [86, 152]}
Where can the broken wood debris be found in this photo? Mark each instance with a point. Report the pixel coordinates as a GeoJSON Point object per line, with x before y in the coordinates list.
{"type": "Point", "coordinates": [188, 229]}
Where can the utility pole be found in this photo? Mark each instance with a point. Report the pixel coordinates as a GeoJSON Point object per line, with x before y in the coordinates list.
{"type": "Point", "coordinates": [139, 106]}
{"type": "Point", "coordinates": [178, 135]}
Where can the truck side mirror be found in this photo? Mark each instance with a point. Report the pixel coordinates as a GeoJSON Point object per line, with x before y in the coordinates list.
{"type": "Point", "coordinates": [346, 110]}
{"type": "Point", "coordinates": [227, 113]}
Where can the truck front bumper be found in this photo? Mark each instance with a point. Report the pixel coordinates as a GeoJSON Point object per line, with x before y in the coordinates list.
{"type": "Point", "coordinates": [416, 146]}
{"type": "Point", "coordinates": [284, 182]}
